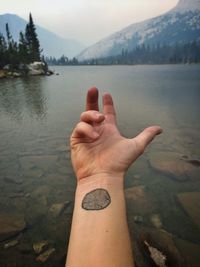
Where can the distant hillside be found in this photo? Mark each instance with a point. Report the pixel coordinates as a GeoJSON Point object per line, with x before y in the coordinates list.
{"type": "Point", "coordinates": [52, 44]}
{"type": "Point", "coordinates": [179, 25]}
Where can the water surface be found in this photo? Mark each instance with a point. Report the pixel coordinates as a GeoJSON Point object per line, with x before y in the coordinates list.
{"type": "Point", "coordinates": [37, 115]}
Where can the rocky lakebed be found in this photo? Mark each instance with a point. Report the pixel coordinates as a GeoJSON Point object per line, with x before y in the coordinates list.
{"type": "Point", "coordinates": [37, 195]}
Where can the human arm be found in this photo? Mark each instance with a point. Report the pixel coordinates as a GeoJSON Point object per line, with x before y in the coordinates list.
{"type": "Point", "coordinates": [100, 157]}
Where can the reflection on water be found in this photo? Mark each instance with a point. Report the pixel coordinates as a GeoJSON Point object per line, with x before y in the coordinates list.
{"type": "Point", "coordinates": [36, 178]}
{"type": "Point", "coordinates": [19, 97]}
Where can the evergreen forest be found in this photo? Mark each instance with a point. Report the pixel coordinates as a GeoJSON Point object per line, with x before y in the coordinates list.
{"type": "Point", "coordinates": [27, 50]}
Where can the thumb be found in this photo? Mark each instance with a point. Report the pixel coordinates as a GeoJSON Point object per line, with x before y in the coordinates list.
{"type": "Point", "coordinates": [146, 136]}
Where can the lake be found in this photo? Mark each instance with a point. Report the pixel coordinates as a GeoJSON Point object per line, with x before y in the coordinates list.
{"type": "Point", "coordinates": [37, 182]}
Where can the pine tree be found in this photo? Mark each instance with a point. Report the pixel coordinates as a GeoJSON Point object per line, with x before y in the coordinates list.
{"type": "Point", "coordinates": [12, 50]}
{"type": "Point", "coordinates": [3, 49]}
{"type": "Point", "coordinates": [23, 49]}
{"type": "Point", "coordinates": [8, 35]}
{"type": "Point", "coordinates": [26, 51]}
{"type": "Point", "coordinates": [33, 45]}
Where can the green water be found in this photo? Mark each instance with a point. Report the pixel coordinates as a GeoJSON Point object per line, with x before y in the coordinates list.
{"type": "Point", "coordinates": [37, 115]}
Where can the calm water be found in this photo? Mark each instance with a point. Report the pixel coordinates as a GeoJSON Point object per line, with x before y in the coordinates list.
{"type": "Point", "coordinates": [37, 116]}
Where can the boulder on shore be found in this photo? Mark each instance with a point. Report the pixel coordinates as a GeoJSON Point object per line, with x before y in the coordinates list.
{"type": "Point", "coordinates": [2, 74]}
{"type": "Point", "coordinates": [36, 68]}
{"type": "Point", "coordinates": [10, 74]}
{"type": "Point", "coordinates": [32, 69]}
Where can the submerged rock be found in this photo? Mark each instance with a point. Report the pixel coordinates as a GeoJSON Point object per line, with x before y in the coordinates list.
{"type": "Point", "coordinates": [190, 201]}
{"type": "Point", "coordinates": [58, 208]}
{"type": "Point", "coordinates": [136, 176]}
{"type": "Point", "coordinates": [194, 162]}
{"type": "Point", "coordinates": [40, 247]}
{"type": "Point", "coordinates": [41, 194]}
{"type": "Point", "coordinates": [190, 252]}
{"type": "Point", "coordinates": [135, 192]}
{"type": "Point", "coordinates": [11, 225]}
{"type": "Point", "coordinates": [44, 256]}
{"type": "Point", "coordinates": [56, 178]}
{"type": "Point", "coordinates": [156, 221]}
{"type": "Point", "coordinates": [157, 256]}
{"type": "Point", "coordinates": [10, 244]}
{"type": "Point", "coordinates": [140, 202]}
{"type": "Point", "coordinates": [13, 180]}
{"type": "Point", "coordinates": [24, 247]}
{"type": "Point", "coordinates": [138, 219]}
{"type": "Point", "coordinates": [160, 249]}
{"type": "Point", "coordinates": [32, 163]}
{"type": "Point", "coordinates": [64, 170]}
{"type": "Point", "coordinates": [62, 148]}
{"type": "Point", "coordinates": [17, 195]}
{"type": "Point", "coordinates": [171, 165]}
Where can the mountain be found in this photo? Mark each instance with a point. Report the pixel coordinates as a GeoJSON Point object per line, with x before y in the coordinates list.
{"type": "Point", "coordinates": [181, 24]}
{"type": "Point", "coordinates": [52, 44]}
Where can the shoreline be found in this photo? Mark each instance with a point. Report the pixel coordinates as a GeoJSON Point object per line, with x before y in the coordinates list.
{"type": "Point", "coordinates": [8, 74]}
{"type": "Point", "coordinates": [4, 74]}
{"type": "Point", "coordinates": [147, 64]}
{"type": "Point", "coordinates": [22, 70]}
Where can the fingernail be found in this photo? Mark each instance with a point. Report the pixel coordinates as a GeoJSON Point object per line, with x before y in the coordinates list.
{"type": "Point", "coordinates": [99, 116]}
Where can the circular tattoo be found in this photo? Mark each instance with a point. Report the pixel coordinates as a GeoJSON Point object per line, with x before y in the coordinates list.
{"type": "Point", "coordinates": [97, 199]}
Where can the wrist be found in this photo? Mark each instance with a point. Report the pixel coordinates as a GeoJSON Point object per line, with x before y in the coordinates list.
{"type": "Point", "coordinates": [100, 181]}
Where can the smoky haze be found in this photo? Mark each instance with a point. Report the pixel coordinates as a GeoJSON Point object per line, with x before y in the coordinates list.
{"type": "Point", "coordinates": [86, 20]}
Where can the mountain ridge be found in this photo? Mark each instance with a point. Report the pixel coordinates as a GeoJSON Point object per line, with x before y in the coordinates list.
{"type": "Point", "coordinates": [185, 5]}
{"type": "Point", "coordinates": [52, 44]}
{"type": "Point", "coordinates": [180, 24]}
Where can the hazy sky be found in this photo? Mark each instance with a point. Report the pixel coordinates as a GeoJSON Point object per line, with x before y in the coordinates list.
{"type": "Point", "coordinates": [86, 20]}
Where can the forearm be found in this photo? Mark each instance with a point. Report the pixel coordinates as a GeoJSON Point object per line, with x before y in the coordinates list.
{"type": "Point", "coordinates": [99, 234]}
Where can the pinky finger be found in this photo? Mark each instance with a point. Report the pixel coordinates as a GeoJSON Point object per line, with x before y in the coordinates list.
{"type": "Point", "coordinates": [83, 130]}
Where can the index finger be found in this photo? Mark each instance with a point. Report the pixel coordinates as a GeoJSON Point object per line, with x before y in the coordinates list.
{"type": "Point", "coordinates": [92, 99]}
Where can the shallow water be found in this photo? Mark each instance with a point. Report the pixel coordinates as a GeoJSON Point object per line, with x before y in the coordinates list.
{"type": "Point", "coordinates": [37, 115]}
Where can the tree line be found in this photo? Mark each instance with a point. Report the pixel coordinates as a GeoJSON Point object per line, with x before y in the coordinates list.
{"type": "Point", "coordinates": [179, 53]}
{"type": "Point", "coordinates": [26, 51]}
{"type": "Point", "coordinates": [62, 61]}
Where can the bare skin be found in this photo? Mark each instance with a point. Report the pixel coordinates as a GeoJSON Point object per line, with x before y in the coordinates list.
{"type": "Point", "coordinates": [100, 157]}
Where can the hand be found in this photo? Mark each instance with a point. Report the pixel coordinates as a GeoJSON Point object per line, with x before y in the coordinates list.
{"type": "Point", "coordinates": [97, 147]}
